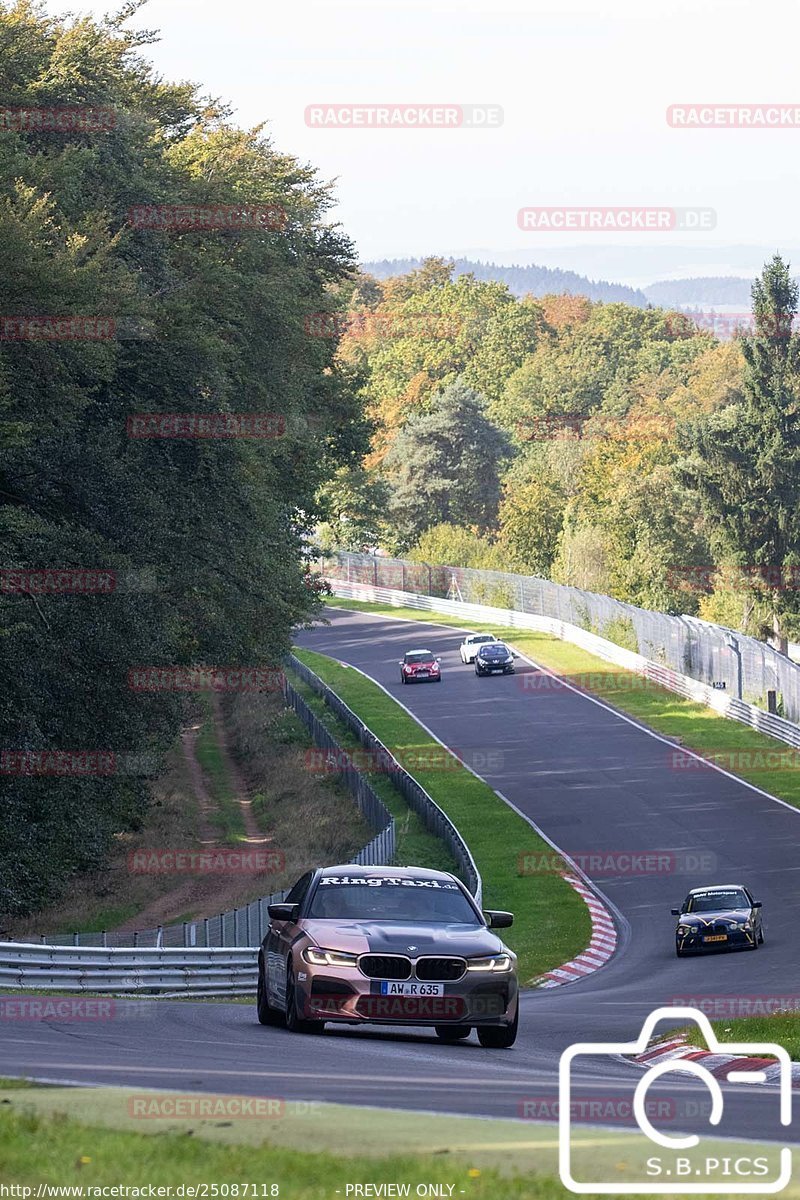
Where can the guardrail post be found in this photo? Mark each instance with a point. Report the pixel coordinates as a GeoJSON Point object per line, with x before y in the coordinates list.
{"type": "Point", "coordinates": [75, 939]}
{"type": "Point", "coordinates": [135, 938]}
{"type": "Point", "coordinates": [185, 933]}
{"type": "Point", "coordinates": [205, 932]}
{"type": "Point", "coordinates": [247, 925]}
{"type": "Point", "coordinates": [105, 939]}
{"type": "Point", "coordinates": [222, 929]}
{"type": "Point", "coordinates": [236, 927]}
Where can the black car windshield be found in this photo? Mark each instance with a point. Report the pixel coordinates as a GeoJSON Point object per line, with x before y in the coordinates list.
{"type": "Point", "coordinates": [705, 902]}
{"type": "Point", "coordinates": [418, 656]}
{"type": "Point", "coordinates": [498, 650]}
{"type": "Point", "coordinates": [425, 901]}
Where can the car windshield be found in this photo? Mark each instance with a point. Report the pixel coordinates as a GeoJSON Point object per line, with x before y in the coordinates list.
{"type": "Point", "coordinates": [498, 648]}
{"type": "Point", "coordinates": [418, 656]}
{"type": "Point", "coordinates": [482, 637]}
{"type": "Point", "coordinates": [425, 901]}
{"type": "Point", "coordinates": [717, 901]}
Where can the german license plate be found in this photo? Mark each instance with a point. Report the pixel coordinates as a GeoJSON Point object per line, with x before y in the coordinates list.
{"type": "Point", "coordinates": [393, 987]}
{"type": "Point", "coordinates": [717, 937]}
{"type": "Point", "coordinates": [422, 673]}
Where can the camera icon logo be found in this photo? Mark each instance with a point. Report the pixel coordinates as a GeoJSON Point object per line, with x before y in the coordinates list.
{"type": "Point", "coordinates": [687, 1175]}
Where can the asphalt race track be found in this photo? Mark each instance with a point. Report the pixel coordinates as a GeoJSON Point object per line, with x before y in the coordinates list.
{"type": "Point", "coordinates": [595, 783]}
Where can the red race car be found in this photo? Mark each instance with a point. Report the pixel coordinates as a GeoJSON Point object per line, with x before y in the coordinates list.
{"type": "Point", "coordinates": [418, 665]}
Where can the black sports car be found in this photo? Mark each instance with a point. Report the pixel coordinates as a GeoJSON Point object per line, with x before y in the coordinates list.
{"type": "Point", "coordinates": [392, 945]}
{"type": "Point", "coordinates": [718, 918]}
{"type": "Point", "coordinates": [494, 656]}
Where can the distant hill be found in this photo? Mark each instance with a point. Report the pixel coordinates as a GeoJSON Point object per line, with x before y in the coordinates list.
{"type": "Point", "coordinates": [521, 281]}
{"type": "Point", "coordinates": [708, 290]}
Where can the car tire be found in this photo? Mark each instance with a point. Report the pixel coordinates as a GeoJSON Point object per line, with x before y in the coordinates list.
{"type": "Point", "coordinates": [679, 953]}
{"type": "Point", "coordinates": [294, 1022]}
{"type": "Point", "coordinates": [499, 1037]}
{"type": "Point", "coordinates": [267, 1015]}
{"type": "Point", "coordinates": [761, 937]}
{"type": "Point", "coordinates": [403, 678]}
{"type": "Point", "coordinates": [453, 1033]}
{"type": "Point", "coordinates": [438, 679]}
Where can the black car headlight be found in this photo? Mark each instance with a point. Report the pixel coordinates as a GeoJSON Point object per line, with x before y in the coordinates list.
{"type": "Point", "coordinates": [685, 930]}
{"type": "Point", "coordinates": [317, 957]}
{"type": "Point", "coordinates": [494, 962]}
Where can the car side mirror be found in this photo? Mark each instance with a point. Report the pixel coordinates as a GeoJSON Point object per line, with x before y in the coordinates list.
{"type": "Point", "coordinates": [438, 660]}
{"type": "Point", "coordinates": [498, 919]}
{"type": "Point", "coordinates": [514, 654]}
{"type": "Point", "coordinates": [283, 912]}
{"type": "Point", "coordinates": [757, 904]}
{"type": "Point", "coordinates": [676, 912]}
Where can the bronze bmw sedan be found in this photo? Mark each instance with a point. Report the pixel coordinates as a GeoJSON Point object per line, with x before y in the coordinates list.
{"type": "Point", "coordinates": [390, 946]}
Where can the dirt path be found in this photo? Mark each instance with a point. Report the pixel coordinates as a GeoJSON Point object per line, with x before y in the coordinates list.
{"type": "Point", "coordinates": [253, 834]}
{"type": "Point", "coordinates": [212, 893]}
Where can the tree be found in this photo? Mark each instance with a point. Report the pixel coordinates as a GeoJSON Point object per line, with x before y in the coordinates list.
{"type": "Point", "coordinates": [207, 537]}
{"type": "Point", "coordinates": [444, 466]}
{"type": "Point", "coordinates": [745, 461]}
{"type": "Point", "coordinates": [453, 546]}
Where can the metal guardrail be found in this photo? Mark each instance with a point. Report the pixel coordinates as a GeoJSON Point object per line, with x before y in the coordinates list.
{"type": "Point", "coordinates": [673, 681]}
{"type": "Point", "coordinates": [78, 969]}
{"type": "Point", "coordinates": [432, 816]}
{"type": "Point", "coordinates": [742, 666]}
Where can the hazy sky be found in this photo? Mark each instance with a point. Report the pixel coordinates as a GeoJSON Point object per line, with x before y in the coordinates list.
{"type": "Point", "coordinates": [584, 87]}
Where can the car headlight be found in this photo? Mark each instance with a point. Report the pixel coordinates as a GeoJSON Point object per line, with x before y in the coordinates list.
{"type": "Point", "coordinates": [318, 957]}
{"type": "Point", "coordinates": [495, 962]}
{"type": "Point", "coordinates": [685, 930]}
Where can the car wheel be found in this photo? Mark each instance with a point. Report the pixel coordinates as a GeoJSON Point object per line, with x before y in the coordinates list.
{"type": "Point", "coordinates": [438, 679]}
{"type": "Point", "coordinates": [294, 1022]}
{"type": "Point", "coordinates": [266, 1014]}
{"type": "Point", "coordinates": [453, 1033]}
{"type": "Point", "coordinates": [761, 937]}
{"type": "Point", "coordinates": [679, 952]}
{"type": "Point", "coordinates": [403, 678]}
{"type": "Point", "coordinates": [499, 1037]}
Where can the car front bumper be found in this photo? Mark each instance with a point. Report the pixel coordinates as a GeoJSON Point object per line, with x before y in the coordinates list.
{"type": "Point", "coordinates": [351, 998]}
{"type": "Point", "coordinates": [735, 939]}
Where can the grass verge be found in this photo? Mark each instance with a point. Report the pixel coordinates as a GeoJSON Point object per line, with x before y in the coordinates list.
{"type": "Point", "coordinates": [415, 845]}
{"type": "Point", "coordinates": [753, 756]}
{"type": "Point", "coordinates": [89, 1138]}
{"type": "Point", "coordinates": [551, 922]}
{"type": "Point", "coordinates": [782, 1028]}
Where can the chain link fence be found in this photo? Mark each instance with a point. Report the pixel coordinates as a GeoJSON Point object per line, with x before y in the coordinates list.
{"type": "Point", "coordinates": [723, 658]}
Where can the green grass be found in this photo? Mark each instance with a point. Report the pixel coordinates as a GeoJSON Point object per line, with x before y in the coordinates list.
{"type": "Point", "coordinates": [415, 845]}
{"type": "Point", "coordinates": [782, 1028]}
{"type": "Point", "coordinates": [551, 922]}
{"type": "Point", "coordinates": [88, 1137]}
{"type": "Point", "coordinates": [734, 746]}
{"type": "Point", "coordinates": [226, 817]}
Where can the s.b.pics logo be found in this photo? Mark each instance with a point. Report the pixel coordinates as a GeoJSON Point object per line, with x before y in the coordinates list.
{"type": "Point", "coordinates": [713, 1158]}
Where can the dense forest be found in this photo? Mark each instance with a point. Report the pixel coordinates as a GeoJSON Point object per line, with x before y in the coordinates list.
{"type": "Point", "coordinates": [616, 448]}
{"type": "Point", "coordinates": [199, 541]}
